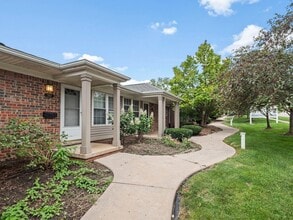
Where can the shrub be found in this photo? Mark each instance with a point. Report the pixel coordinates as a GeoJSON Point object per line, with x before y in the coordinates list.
{"type": "Point", "coordinates": [186, 144]}
{"type": "Point", "coordinates": [143, 124]}
{"type": "Point", "coordinates": [168, 141]}
{"type": "Point", "coordinates": [186, 123]}
{"type": "Point", "coordinates": [27, 138]}
{"type": "Point", "coordinates": [179, 133]}
{"type": "Point", "coordinates": [127, 126]}
{"type": "Point", "coordinates": [130, 125]}
{"type": "Point", "coordinates": [195, 129]}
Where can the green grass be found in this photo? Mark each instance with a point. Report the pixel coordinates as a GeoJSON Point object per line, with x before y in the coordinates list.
{"type": "Point", "coordinates": [283, 118]}
{"type": "Point", "coordinates": [257, 183]}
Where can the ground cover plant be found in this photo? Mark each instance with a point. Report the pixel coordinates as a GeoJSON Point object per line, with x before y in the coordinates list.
{"type": "Point", "coordinates": [254, 184]}
{"type": "Point", "coordinates": [42, 181]}
{"type": "Point", "coordinates": [49, 198]}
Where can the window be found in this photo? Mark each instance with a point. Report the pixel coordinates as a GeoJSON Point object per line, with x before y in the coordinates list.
{"type": "Point", "coordinates": [136, 108]}
{"type": "Point", "coordinates": [110, 109]}
{"type": "Point", "coordinates": [72, 109]}
{"type": "Point", "coordinates": [127, 104]}
{"type": "Point", "coordinates": [99, 110]}
{"type": "Point", "coordinates": [103, 109]}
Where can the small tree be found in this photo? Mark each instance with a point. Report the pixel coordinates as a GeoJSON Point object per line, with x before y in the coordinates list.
{"type": "Point", "coordinates": [127, 126]}
{"type": "Point", "coordinates": [143, 124]}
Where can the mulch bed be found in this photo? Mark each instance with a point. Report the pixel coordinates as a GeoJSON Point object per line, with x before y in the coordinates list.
{"type": "Point", "coordinates": [153, 147]}
{"type": "Point", "coordinates": [16, 179]}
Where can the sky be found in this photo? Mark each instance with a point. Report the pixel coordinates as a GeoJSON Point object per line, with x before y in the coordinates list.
{"type": "Point", "coordinates": [141, 39]}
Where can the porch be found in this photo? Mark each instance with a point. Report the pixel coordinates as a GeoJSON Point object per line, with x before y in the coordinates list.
{"type": "Point", "coordinates": [97, 149]}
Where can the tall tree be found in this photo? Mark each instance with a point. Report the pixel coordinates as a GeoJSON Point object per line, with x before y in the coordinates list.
{"type": "Point", "coordinates": [195, 82]}
{"type": "Point", "coordinates": [260, 76]}
{"type": "Point", "coordinates": [279, 41]}
{"type": "Point", "coordinates": [252, 83]}
{"type": "Point", "coordinates": [163, 83]}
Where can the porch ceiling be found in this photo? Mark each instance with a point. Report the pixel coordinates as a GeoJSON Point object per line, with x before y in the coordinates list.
{"type": "Point", "coordinates": [15, 60]}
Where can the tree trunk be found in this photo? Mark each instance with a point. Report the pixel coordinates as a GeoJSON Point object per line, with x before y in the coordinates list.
{"type": "Point", "coordinates": [139, 137]}
{"type": "Point", "coordinates": [203, 122]}
{"type": "Point", "coordinates": [248, 114]}
{"type": "Point", "coordinates": [291, 122]}
{"type": "Point", "coordinates": [268, 120]}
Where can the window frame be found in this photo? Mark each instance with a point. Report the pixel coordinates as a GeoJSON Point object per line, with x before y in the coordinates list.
{"type": "Point", "coordinates": [136, 111]}
{"type": "Point", "coordinates": [107, 96]}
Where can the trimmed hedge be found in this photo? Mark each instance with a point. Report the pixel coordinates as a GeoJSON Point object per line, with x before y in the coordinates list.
{"type": "Point", "coordinates": [179, 133]}
{"type": "Point", "coordinates": [186, 123]}
{"type": "Point", "coordinates": [195, 129]}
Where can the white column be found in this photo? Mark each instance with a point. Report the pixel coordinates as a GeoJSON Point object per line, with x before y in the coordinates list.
{"type": "Point", "coordinates": [164, 114]}
{"type": "Point", "coordinates": [85, 114]}
{"type": "Point", "coordinates": [160, 116]}
{"type": "Point", "coordinates": [116, 100]}
{"type": "Point", "coordinates": [177, 116]}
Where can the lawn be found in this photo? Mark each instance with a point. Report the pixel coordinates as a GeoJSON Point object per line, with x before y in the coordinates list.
{"type": "Point", "coordinates": [283, 118]}
{"type": "Point", "coordinates": [257, 183]}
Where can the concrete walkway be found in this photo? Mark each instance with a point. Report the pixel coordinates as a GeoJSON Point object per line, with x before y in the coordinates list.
{"type": "Point", "coordinates": [144, 187]}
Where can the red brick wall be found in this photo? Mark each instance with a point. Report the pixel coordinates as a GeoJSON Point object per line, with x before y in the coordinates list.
{"type": "Point", "coordinates": [23, 96]}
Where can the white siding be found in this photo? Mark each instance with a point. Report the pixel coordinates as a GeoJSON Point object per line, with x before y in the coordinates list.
{"type": "Point", "coordinates": [101, 132]}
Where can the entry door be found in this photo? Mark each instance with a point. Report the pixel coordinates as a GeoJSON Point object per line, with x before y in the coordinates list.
{"type": "Point", "coordinates": [71, 117]}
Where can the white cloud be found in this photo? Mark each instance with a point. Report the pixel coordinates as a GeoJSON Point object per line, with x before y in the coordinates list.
{"type": "Point", "coordinates": [169, 31]}
{"type": "Point", "coordinates": [121, 69]}
{"type": "Point", "coordinates": [165, 28]}
{"type": "Point", "coordinates": [222, 7]}
{"type": "Point", "coordinates": [155, 26]}
{"type": "Point", "coordinates": [244, 38]}
{"type": "Point", "coordinates": [91, 58]}
{"type": "Point", "coordinates": [133, 81]}
{"type": "Point", "coordinates": [69, 55]}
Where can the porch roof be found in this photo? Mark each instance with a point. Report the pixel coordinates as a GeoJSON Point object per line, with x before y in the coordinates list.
{"type": "Point", "coordinates": [147, 91]}
{"type": "Point", "coordinates": [25, 63]}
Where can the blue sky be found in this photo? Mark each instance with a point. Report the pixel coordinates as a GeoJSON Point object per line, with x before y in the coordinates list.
{"type": "Point", "coordinates": [141, 39]}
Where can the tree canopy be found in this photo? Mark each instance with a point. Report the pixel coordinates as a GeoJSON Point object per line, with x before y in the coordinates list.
{"type": "Point", "coordinates": [162, 83]}
{"type": "Point", "coordinates": [195, 81]}
{"type": "Point", "coordinates": [260, 76]}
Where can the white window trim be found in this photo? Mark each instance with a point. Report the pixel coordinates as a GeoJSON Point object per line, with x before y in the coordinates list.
{"type": "Point", "coordinates": [107, 109]}
{"type": "Point", "coordinates": [132, 101]}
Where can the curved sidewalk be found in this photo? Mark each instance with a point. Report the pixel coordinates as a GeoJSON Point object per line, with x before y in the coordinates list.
{"type": "Point", "coordinates": [144, 187]}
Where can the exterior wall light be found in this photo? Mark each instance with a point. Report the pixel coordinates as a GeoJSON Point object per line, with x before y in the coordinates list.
{"type": "Point", "coordinates": [49, 91]}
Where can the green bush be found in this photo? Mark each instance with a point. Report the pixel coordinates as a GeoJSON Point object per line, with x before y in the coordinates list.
{"type": "Point", "coordinates": [186, 123]}
{"type": "Point", "coordinates": [168, 141]}
{"type": "Point", "coordinates": [27, 138]}
{"type": "Point", "coordinates": [130, 125]}
{"type": "Point", "coordinates": [195, 129]}
{"type": "Point", "coordinates": [178, 133]}
{"type": "Point", "coordinates": [143, 124]}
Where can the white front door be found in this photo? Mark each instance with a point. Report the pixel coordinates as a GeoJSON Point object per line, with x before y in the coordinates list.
{"type": "Point", "coordinates": [70, 112]}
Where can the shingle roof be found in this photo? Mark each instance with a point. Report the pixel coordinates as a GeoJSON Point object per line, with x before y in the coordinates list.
{"type": "Point", "coordinates": [143, 88]}
{"type": "Point", "coordinates": [148, 89]}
